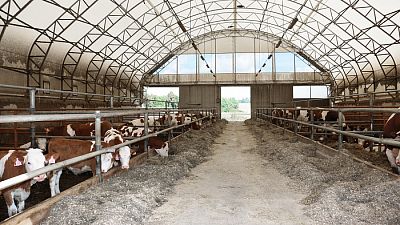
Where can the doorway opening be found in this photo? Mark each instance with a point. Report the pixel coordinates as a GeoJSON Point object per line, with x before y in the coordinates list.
{"type": "Point", "coordinates": [162, 97]}
{"type": "Point", "coordinates": [235, 103]}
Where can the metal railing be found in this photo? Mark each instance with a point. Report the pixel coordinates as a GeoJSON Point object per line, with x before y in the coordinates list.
{"type": "Point", "coordinates": [263, 113]}
{"type": "Point", "coordinates": [99, 150]}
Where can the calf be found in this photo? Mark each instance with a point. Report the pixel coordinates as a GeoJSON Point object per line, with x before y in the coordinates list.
{"type": "Point", "coordinates": [330, 119]}
{"type": "Point", "coordinates": [391, 129]}
{"type": "Point", "coordinates": [78, 129]}
{"type": "Point", "coordinates": [62, 149]}
{"type": "Point", "coordinates": [39, 143]}
{"type": "Point", "coordinates": [127, 130]}
{"type": "Point", "coordinates": [14, 163]}
{"type": "Point", "coordinates": [156, 143]}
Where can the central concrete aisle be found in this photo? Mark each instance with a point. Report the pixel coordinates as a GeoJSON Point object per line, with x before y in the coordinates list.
{"type": "Point", "coordinates": [236, 186]}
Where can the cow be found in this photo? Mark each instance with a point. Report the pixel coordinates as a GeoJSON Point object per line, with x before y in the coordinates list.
{"type": "Point", "coordinates": [17, 162]}
{"type": "Point", "coordinates": [303, 116]}
{"type": "Point", "coordinates": [277, 113]}
{"type": "Point", "coordinates": [128, 130]}
{"type": "Point", "coordinates": [391, 129]}
{"type": "Point", "coordinates": [156, 143]}
{"type": "Point", "coordinates": [78, 129]}
{"type": "Point", "coordinates": [60, 149]}
{"type": "Point", "coordinates": [39, 143]}
{"type": "Point", "coordinates": [330, 119]}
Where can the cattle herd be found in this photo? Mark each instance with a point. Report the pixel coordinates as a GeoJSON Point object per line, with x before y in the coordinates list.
{"type": "Point", "coordinates": [51, 150]}
{"type": "Point", "coordinates": [391, 129]}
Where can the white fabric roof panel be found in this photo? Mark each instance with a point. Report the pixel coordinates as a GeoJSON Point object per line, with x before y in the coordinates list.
{"type": "Point", "coordinates": [343, 35]}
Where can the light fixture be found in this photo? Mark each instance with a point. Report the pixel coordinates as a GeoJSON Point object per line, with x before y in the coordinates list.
{"type": "Point", "coordinates": [181, 26]}
{"type": "Point", "coordinates": [194, 46]}
{"type": "Point", "coordinates": [270, 56]}
{"type": "Point", "coordinates": [294, 21]}
{"type": "Point", "coordinates": [240, 6]}
{"type": "Point", "coordinates": [279, 43]}
{"type": "Point", "coordinates": [230, 26]}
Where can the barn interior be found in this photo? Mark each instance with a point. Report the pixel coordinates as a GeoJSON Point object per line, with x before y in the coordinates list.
{"type": "Point", "coordinates": [86, 61]}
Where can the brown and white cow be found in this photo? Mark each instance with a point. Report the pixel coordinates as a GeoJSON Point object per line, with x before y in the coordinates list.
{"type": "Point", "coordinates": [61, 149]}
{"type": "Point", "coordinates": [128, 130]}
{"type": "Point", "coordinates": [330, 119]}
{"type": "Point", "coordinates": [156, 143]}
{"type": "Point", "coordinates": [78, 129]}
{"type": "Point", "coordinates": [39, 143]}
{"type": "Point", "coordinates": [391, 129]}
{"type": "Point", "coordinates": [14, 163]}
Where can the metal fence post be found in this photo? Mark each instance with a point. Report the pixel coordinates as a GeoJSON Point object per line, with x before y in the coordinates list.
{"type": "Point", "coordinates": [97, 127]}
{"type": "Point", "coordinates": [146, 131]}
{"type": "Point", "coordinates": [169, 125]}
{"type": "Point", "coordinates": [111, 102]}
{"type": "Point", "coordinates": [294, 123]}
{"type": "Point", "coordinates": [32, 108]}
{"type": "Point", "coordinates": [371, 118]}
{"type": "Point", "coordinates": [340, 139]}
{"type": "Point", "coordinates": [312, 122]}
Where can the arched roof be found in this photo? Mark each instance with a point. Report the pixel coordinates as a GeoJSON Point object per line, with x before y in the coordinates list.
{"type": "Point", "coordinates": [120, 42]}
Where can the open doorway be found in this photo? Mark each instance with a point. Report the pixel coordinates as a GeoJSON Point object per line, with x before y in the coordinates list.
{"type": "Point", "coordinates": [235, 103]}
{"type": "Point", "coordinates": [162, 97]}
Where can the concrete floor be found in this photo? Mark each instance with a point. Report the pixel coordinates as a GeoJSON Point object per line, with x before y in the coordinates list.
{"type": "Point", "coordinates": [235, 187]}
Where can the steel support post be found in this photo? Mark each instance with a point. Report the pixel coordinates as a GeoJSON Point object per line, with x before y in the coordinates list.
{"type": "Point", "coordinates": [146, 132]}
{"type": "Point", "coordinates": [371, 118]}
{"type": "Point", "coordinates": [340, 139]}
{"type": "Point", "coordinates": [312, 122]}
{"type": "Point", "coordinates": [294, 118]}
{"type": "Point", "coordinates": [169, 125]}
{"type": "Point", "coordinates": [32, 108]}
{"type": "Point", "coordinates": [111, 102]}
{"type": "Point", "coordinates": [98, 144]}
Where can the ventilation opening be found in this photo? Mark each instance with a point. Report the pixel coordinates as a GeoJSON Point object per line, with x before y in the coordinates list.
{"type": "Point", "coordinates": [235, 103]}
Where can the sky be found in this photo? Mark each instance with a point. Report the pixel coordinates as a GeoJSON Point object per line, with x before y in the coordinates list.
{"type": "Point", "coordinates": [235, 92]}
{"type": "Point", "coordinates": [162, 91]}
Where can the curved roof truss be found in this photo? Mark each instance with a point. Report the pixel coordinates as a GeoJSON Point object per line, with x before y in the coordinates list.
{"type": "Point", "coordinates": [133, 37]}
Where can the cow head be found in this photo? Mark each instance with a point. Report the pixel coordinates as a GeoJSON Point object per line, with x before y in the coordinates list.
{"type": "Point", "coordinates": [33, 160]}
{"type": "Point", "coordinates": [188, 119]}
{"type": "Point", "coordinates": [41, 143]}
{"type": "Point", "coordinates": [113, 135]}
{"type": "Point", "coordinates": [107, 161]}
{"type": "Point", "coordinates": [163, 151]}
{"type": "Point", "coordinates": [124, 154]}
{"type": "Point", "coordinates": [48, 130]}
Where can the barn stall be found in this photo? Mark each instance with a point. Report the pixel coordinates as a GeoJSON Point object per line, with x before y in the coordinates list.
{"type": "Point", "coordinates": [84, 61]}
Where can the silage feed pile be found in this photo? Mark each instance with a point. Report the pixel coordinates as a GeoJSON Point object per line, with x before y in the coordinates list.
{"type": "Point", "coordinates": [339, 190]}
{"type": "Point", "coordinates": [131, 196]}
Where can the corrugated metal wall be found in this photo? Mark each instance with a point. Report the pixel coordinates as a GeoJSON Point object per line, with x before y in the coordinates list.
{"type": "Point", "coordinates": [271, 95]}
{"type": "Point", "coordinates": [200, 96]}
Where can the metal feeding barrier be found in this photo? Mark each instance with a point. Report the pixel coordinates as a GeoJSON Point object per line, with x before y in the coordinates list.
{"type": "Point", "coordinates": [99, 150]}
{"type": "Point", "coordinates": [263, 113]}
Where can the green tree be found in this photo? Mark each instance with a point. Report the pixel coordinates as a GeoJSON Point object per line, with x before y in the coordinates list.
{"type": "Point", "coordinates": [244, 100]}
{"type": "Point", "coordinates": [229, 105]}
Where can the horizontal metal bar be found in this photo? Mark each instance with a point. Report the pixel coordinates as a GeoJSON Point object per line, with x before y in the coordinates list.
{"type": "Point", "coordinates": [56, 117]}
{"type": "Point", "coordinates": [388, 110]}
{"type": "Point", "coordinates": [386, 141]}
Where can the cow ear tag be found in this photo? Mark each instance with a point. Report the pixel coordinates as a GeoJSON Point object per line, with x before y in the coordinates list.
{"type": "Point", "coordinates": [52, 160]}
{"type": "Point", "coordinates": [17, 163]}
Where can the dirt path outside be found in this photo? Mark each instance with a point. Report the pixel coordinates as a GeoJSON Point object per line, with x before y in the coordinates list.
{"type": "Point", "coordinates": [236, 186]}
